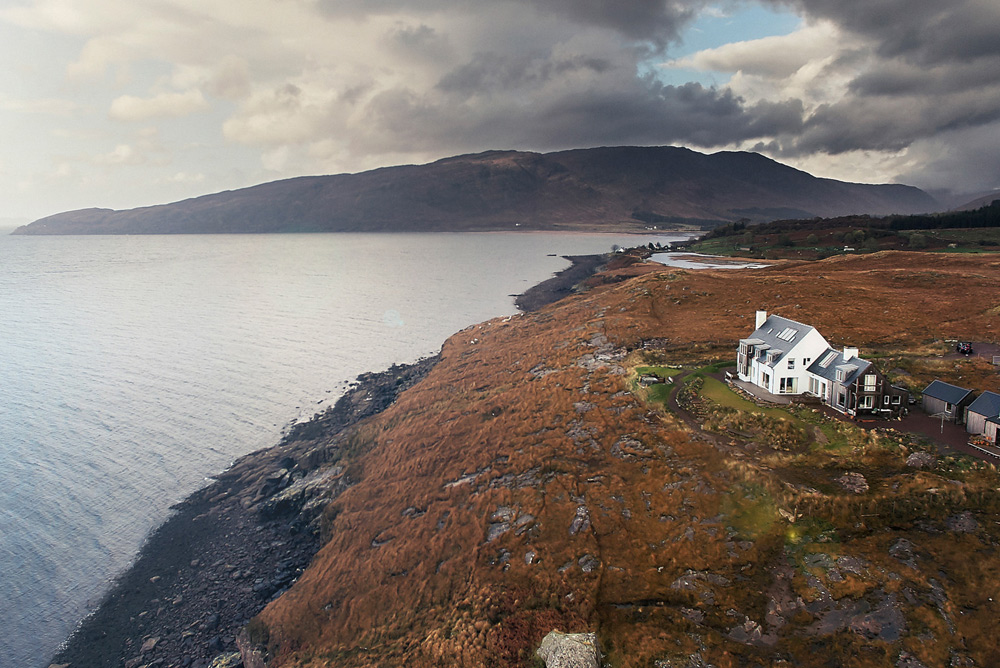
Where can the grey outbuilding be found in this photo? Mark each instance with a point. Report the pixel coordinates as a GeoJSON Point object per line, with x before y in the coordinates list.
{"type": "Point", "coordinates": [947, 400]}
{"type": "Point", "coordinates": [980, 412]}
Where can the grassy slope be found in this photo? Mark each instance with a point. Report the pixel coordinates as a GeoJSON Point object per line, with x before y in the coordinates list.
{"type": "Point", "coordinates": [531, 422]}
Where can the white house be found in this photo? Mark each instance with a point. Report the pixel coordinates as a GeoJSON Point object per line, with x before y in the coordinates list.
{"type": "Point", "coordinates": [783, 356]}
{"type": "Point", "coordinates": [776, 357]}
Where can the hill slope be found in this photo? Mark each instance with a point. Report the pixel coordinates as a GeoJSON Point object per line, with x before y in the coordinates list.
{"type": "Point", "coordinates": [520, 488]}
{"type": "Point", "coordinates": [609, 189]}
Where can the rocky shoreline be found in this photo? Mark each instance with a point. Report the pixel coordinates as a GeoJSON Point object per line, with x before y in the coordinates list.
{"type": "Point", "coordinates": [233, 546]}
{"type": "Point", "coordinates": [562, 284]}
{"type": "Point", "coordinates": [230, 547]}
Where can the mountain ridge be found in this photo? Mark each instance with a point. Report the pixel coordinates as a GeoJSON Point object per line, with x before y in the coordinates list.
{"type": "Point", "coordinates": [598, 189]}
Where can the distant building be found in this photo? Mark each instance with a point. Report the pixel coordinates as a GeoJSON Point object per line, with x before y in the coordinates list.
{"type": "Point", "coordinates": [946, 400]}
{"type": "Point", "coordinates": [783, 356]}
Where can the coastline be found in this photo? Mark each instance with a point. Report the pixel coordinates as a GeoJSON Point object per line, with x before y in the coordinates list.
{"type": "Point", "coordinates": [562, 284]}
{"type": "Point", "coordinates": [233, 546]}
{"type": "Point", "coordinates": [230, 547]}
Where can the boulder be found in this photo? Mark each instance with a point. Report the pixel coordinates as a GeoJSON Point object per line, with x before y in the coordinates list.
{"type": "Point", "coordinates": [231, 660]}
{"type": "Point", "coordinates": [921, 460]}
{"type": "Point", "coordinates": [570, 650]}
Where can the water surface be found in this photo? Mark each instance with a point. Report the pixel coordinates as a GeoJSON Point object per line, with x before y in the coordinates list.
{"type": "Point", "coordinates": [132, 367]}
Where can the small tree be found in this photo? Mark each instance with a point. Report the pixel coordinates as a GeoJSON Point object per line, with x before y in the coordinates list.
{"type": "Point", "coordinates": [918, 241]}
{"type": "Point", "coordinates": [812, 240]}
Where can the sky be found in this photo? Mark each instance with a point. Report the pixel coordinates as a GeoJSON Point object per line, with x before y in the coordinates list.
{"type": "Point", "coordinates": [117, 105]}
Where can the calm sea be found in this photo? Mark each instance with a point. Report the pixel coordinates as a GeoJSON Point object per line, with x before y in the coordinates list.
{"type": "Point", "coordinates": [131, 368]}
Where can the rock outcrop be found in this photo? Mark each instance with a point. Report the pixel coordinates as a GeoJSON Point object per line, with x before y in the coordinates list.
{"type": "Point", "coordinates": [570, 650]}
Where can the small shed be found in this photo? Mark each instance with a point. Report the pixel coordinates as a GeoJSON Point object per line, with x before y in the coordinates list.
{"type": "Point", "coordinates": [985, 407]}
{"type": "Point", "coordinates": [992, 426]}
{"type": "Point", "coordinates": [951, 400]}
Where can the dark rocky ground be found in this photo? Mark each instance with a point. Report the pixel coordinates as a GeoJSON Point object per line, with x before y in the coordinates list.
{"type": "Point", "coordinates": [562, 284]}
{"type": "Point", "coordinates": [230, 547]}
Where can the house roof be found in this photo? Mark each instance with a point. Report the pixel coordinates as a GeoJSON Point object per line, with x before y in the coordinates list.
{"type": "Point", "coordinates": [830, 361]}
{"type": "Point", "coordinates": [947, 392]}
{"type": "Point", "coordinates": [779, 333]}
{"type": "Point", "coordinates": [987, 403]}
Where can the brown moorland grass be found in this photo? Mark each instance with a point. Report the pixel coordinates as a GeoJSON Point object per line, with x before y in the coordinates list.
{"type": "Point", "coordinates": [522, 487]}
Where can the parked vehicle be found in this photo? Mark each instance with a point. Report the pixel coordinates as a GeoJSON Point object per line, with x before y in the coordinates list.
{"type": "Point", "coordinates": [964, 347]}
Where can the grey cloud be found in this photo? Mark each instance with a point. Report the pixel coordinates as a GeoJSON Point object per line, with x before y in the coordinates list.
{"type": "Point", "coordinates": [658, 21]}
{"type": "Point", "coordinates": [416, 36]}
{"type": "Point", "coordinates": [966, 160]}
{"type": "Point", "coordinates": [896, 78]}
{"type": "Point", "coordinates": [882, 123]}
{"type": "Point", "coordinates": [649, 112]}
{"type": "Point", "coordinates": [925, 31]}
{"type": "Point", "coordinates": [492, 72]}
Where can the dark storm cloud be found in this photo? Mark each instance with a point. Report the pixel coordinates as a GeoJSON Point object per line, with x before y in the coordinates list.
{"type": "Point", "coordinates": [924, 31]}
{"type": "Point", "coordinates": [658, 21]}
{"type": "Point", "coordinates": [887, 124]}
{"type": "Point", "coordinates": [655, 20]}
{"type": "Point", "coordinates": [491, 72]}
{"type": "Point", "coordinates": [898, 78]}
{"type": "Point", "coordinates": [647, 112]}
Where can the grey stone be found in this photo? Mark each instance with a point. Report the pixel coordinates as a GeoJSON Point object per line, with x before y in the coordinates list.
{"type": "Point", "coordinates": [921, 460]}
{"type": "Point", "coordinates": [854, 482]}
{"type": "Point", "coordinates": [963, 522]}
{"type": "Point", "coordinates": [589, 563]}
{"type": "Point", "coordinates": [902, 549]}
{"type": "Point", "coordinates": [581, 521]}
{"type": "Point", "coordinates": [231, 660]}
{"type": "Point", "coordinates": [570, 650]}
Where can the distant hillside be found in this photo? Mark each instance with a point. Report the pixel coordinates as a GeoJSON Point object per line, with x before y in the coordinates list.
{"type": "Point", "coordinates": [979, 202]}
{"type": "Point", "coordinates": [587, 189]}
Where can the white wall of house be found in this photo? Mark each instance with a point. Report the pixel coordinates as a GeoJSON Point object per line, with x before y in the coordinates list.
{"type": "Point", "coordinates": [788, 375]}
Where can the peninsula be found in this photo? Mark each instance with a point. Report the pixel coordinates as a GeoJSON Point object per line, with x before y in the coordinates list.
{"type": "Point", "coordinates": [527, 481]}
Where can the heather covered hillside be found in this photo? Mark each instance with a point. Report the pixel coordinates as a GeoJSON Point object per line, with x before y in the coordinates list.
{"type": "Point", "coordinates": [530, 483]}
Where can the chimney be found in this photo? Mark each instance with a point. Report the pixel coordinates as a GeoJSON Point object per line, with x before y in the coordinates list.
{"type": "Point", "coordinates": [761, 317]}
{"type": "Point", "coordinates": [850, 353]}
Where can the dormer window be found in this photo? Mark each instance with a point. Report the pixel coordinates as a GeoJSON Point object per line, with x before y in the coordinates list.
{"type": "Point", "coordinates": [840, 375]}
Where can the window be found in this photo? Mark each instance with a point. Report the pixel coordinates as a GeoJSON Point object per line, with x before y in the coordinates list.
{"type": "Point", "coordinates": [788, 385]}
{"type": "Point", "coordinates": [787, 334]}
{"type": "Point", "coordinates": [841, 399]}
{"type": "Point", "coordinates": [791, 363]}
{"type": "Point", "coordinates": [840, 375]}
{"type": "Point", "coordinates": [830, 356]}
{"type": "Point", "coordinates": [870, 382]}
{"type": "Point", "coordinates": [867, 401]}
{"type": "Point", "coordinates": [897, 400]}
{"type": "Point", "coordinates": [805, 361]}
{"type": "Point", "coordinates": [885, 400]}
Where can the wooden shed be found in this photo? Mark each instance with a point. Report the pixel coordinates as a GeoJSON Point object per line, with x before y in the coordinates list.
{"type": "Point", "coordinates": [984, 408]}
{"type": "Point", "coordinates": [945, 398]}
